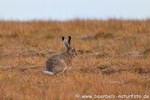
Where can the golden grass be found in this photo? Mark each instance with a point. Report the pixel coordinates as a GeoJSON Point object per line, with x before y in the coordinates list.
{"type": "Point", "coordinates": [115, 59]}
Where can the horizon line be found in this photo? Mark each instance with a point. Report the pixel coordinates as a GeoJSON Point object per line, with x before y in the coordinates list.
{"type": "Point", "coordinates": [72, 19]}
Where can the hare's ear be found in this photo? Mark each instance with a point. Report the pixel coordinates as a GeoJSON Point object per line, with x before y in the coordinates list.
{"type": "Point", "coordinates": [69, 39]}
{"type": "Point", "coordinates": [63, 38]}
{"type": "Point", "coordinates": [65, 41]}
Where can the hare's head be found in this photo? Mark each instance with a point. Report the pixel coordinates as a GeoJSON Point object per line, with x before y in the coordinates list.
{"type": "Point", "coordinates": [67, 44]}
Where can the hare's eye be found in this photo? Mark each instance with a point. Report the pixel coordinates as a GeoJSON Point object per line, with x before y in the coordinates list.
{"type": "Point", "coordinates": [74, 50]}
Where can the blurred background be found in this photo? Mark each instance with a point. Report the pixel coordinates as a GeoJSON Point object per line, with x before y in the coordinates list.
{"type": "Point", "coordinates": [71, 9]}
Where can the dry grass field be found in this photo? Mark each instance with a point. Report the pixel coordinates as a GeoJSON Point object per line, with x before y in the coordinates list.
{"type": "Point", "coordinates": [113, 60]}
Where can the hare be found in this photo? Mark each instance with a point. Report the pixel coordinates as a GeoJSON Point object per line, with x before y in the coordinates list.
{"type": "Point", "coordinates": [59, 63]}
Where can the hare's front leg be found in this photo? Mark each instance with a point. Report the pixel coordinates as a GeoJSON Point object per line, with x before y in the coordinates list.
{"type": "Point", "coordinates": [64, 70]}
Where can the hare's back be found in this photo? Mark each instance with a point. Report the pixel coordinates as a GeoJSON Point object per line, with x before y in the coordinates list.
{"type": "Point", "coordinates": [55, 65]}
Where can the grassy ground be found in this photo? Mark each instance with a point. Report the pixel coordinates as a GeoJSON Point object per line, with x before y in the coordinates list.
{"type": "Point", "coordinates": [115, 59]}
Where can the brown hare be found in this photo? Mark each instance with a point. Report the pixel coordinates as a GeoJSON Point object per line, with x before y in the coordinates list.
{"type": "Point", "coordinates": [59, 63]}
